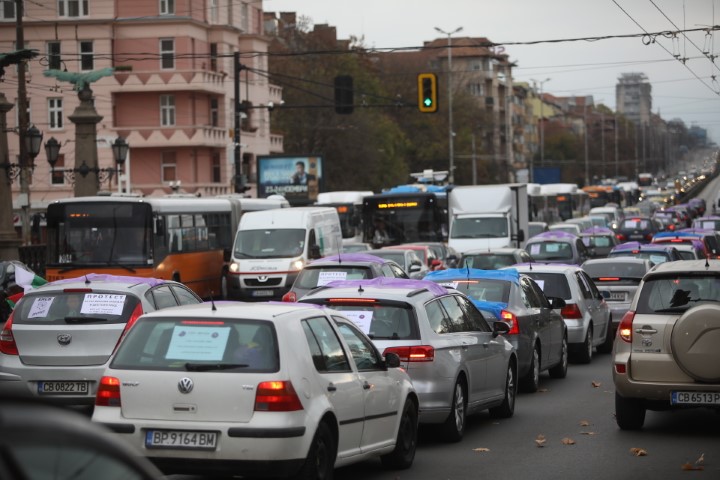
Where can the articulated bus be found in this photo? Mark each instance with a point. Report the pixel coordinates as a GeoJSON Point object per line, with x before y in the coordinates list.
{"type": "Point", "coordinates": [405, 216]}
{"type": "Point", "coordinates": [183, 238]}
{"type": "Point", "coordinates": [349, 207]}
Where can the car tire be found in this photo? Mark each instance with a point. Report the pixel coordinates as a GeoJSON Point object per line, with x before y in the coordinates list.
{"type": "Point", "coordinates": [629, 412]}
{"type": "Point", "coordinates": [320, 461]}
{"type": "Point", "coordinates": [454, 426]}
{"type": "Point", "coordinates": [507, 408]}
{"type": "Point", "coordinates": [585, 351]}
{"type": "Point", "coordinates": [406, 444]}
{"type": "Point", "coordinates": [224, 285]}
{"type": "Point", "coordinates": [531, 381]}
{"type": "Point", "coordinates": [607, 345]}
{"type": "Point", "coordinates": [560, 370]}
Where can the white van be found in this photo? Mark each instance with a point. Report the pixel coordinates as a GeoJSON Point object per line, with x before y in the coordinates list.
{"type": "Point", "coordinates": [272, 246]}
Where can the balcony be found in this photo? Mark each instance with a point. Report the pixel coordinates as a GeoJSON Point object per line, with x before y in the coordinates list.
{"type": "Point", "coordinates": [177, 136]}
{"type": "Point", "coordinates": [173, 80]}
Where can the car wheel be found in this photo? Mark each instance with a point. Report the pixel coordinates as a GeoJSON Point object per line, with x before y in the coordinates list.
{"type": "Point", "coordinates": [224, 285]}
{"type": "Point", "coordinates": [454, 426]}
{"type": "Point", "coordinates": [584, 354]}
{"type": "Point", "coordinates": [404, 454]}
{"type": "Point", "coordinates": [629, 412]}
{"type": "Point", "coordinates": [507, 408]}
{"type": "Point", "coordinates": [531, 381]}
{"type": "Point", "coordinates": [560, 370]}
{"type": "Point", "coordinates": [320, 461]}
{"type": "Point", "coordinates": [607, 345]}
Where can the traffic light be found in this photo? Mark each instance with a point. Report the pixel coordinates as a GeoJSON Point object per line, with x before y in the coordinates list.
{"type": "Point", "coordinates": [427, 92]}
{"type": "Point", "coordinates": [344, 94]}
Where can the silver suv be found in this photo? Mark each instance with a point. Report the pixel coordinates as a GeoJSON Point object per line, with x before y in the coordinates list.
{"type": "Point", "coordinates": [666, 352]}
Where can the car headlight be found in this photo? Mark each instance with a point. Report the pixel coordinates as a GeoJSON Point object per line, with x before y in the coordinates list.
{"type": "Point", "coordinates": [234, 267]}
{"type": "Point", "coordinates": [298, 264]}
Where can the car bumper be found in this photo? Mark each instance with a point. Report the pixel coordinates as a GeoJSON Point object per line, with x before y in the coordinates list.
{"type": "Point", "coordinates": [576, 330]}
{"type": "Point", "coordinates": [237, 290]}
{"type": "Point", "coordinates": [435, 395]}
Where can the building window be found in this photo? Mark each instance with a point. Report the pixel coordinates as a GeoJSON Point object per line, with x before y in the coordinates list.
{"type": "Point", "coordinates": [168, 167]}
{"type": "Point", "coordinates": [7, 10]}
{"type": "Point", "coordinates": [57, 176]}
{"type": "Point", "coordinates": [167, 110]}
{"type": "Point", "coordinates": [55, 113]}
{"type": "Point", "coordinates": [213, 10]}
{"type": "Point", "coordinates": [244, 17]}
{"type": "Point", "coordinates": [72, 8]}
{"type": "Point", "coordinates": [215, 174]}
{"type": "Point", "coordinates": [53, 54]}
{"type": "Point", "coordinates": [167, 53]}
{"type": "Point", "coordinates": [214, 112]}
{"type": "Point", "coordinates": [213, 57]}
{"type": "Point", "coordinates": [476, 89]}
{"type": "Point", "coordinates": [167, 7]}
{"type": "Point", "coordinates": [87, 61]}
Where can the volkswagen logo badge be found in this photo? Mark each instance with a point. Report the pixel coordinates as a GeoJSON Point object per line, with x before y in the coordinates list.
{"type": "Point", "coordinates": [64, 339]}
{"type": "Point", "coordinates": [185, 385]}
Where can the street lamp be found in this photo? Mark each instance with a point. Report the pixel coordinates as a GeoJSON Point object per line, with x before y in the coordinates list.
{"type": "Point", "coordinates": [542, 121]}
{"type": "Point", "coordinates": [451, 175]}
{"type": "Point", "coordinates": [120, 150]}
{"type": "Point", "coordinates": [33, 139]}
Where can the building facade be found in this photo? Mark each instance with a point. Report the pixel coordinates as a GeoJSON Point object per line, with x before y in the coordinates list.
{"type": "Point", "coordinates": [633, 97]}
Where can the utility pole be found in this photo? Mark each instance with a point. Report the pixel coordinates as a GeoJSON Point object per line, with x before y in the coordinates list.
{"type": "Point", "coordinates": [617, 162]}
{"type": "Point", "coordinates": [587, 158]}
{"type": "Point", "coordinates": [23, 120]}
{"type": "Point", "coordinates": [451, 134]}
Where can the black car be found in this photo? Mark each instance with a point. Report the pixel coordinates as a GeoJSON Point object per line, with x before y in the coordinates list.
{"type": "Point", "coordinates": [636, 229]}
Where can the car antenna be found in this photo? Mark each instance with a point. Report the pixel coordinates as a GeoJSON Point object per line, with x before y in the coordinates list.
{"type": "Point", "coordinates": [212, 302]}
{"type": "Point", "coordinates": [360, 289]}
{"type": "Point", "coordinates": [707, 261]}
{"type": "Point", "coordinates": [87, 280]}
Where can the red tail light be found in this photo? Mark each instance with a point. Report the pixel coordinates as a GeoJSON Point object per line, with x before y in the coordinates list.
{"type": "Point", "coordinates": [649, 237]}
{"type": "Point", "coordinates": [620, 237]}
{"type": "Point", "coordinates": [7, 340]}
{"type": "Point", "coordinates": [289, 297]}
{"type": "Point", "coordinates": [417, 353]}
{"type": "Point", "coordinates": [510, 319]}
{"type": "Point", "coordinates": [131, 321]}
{"type": "Point", "coordinates": [572, 311]}
{"type": "Point", "coordinates": [108, 394]}
{"type": "Point", "coordinates": [608, 279]}
{"type": "Point", "coordinates": [625, 328]}
{"type": "Point", "coordinates": [278, 396]}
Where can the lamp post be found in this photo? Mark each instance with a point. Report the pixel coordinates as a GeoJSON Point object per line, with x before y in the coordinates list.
{"type": "Point", "coordinates": [120, 150]}
{"type": "Point", "coordinates": [542, 121]}
{"type": "Point", "coordinates": [451, 174]}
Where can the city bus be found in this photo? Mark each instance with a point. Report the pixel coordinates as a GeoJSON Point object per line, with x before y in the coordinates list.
{"type": "Point", "coordinates": [187, 239]}
{"type": "Point", "coordinates": [349, 207]}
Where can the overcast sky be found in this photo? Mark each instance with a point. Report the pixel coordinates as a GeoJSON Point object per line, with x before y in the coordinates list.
{"type": "Point", "coordinates": [573, 68]}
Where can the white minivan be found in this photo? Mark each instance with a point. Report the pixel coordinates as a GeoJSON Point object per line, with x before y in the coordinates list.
{"type": "Point", "coordinates": [272, 246]}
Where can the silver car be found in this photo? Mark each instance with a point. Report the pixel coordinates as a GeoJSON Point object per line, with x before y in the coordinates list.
{"type": "Point", "coordinates": [666, 353]}
{"type": "Point", "coordinates": [458, 363]}
{"type": "Point", "coordinates": [60, 336]}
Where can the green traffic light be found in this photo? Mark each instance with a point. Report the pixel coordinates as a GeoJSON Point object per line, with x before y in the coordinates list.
{"type": "Point", "coordinates": [428, 102]}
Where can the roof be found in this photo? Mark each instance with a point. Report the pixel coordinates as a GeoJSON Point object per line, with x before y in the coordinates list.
{"type": "Point", "coordinates": [508, 275]}
{"type": "Point", "coordinates": [656, 247]}
{"type": "Point", "coordinates": [552, 235]}
{"type": "Point", "coordinates": [388, 282]}
{"type": "Point", "coordinates": [494, 251]}
{"type": "Point", "coordinates": [348, 258]}
{"type": "Point", "coordinates": [225, 309]}
{"type": "Point", "coordinates": [545, 267]}
{"type": "Point", "coordinates": [687, 266]}
{"type": "Point", "coordinates": [597, 231]}
{"type": "Point", "coordinates": [694, 233]}
{"type": "Point", "coordinates": [615, 260]}
{"type": "Point", "coordinates": [107, 278]}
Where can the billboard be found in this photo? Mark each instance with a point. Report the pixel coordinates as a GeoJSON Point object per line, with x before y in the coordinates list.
{"type": "Point", "coordinates": [296, 178]}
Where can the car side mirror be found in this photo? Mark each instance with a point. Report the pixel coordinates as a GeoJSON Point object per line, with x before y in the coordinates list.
{"type": "Point", "coordinates": [500, 328]}
{"type": "Point", "coordinates": [452, 261]}
{"type": "Point", "coordinates": [414, 267]}
{"type": "Point", "coordinates": [314, 252]}
{"type": "Point", "coordinates": [556, 302]}
{"type": "Point", "coordinates": [392, 360]}
{"type": "Point", "coordinates": [227, 255]}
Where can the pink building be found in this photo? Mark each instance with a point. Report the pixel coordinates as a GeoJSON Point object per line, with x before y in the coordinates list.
{"type": "Point", "coordinates": [171, 96]}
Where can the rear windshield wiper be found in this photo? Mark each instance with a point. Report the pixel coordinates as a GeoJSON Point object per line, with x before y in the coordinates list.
{"type": "Point", "coordinates": [204, 367]}
{"type": "Point", "coordinates": [78, 320]}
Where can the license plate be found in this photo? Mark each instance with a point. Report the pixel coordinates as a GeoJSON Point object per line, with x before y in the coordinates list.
{"type": "Point", "coordinates": [262, 293]}
{"type": "Point", "coordinates": [695, 398]}
{"type": "Point", "coordinates": [618, 297]}
{"type": "Point", "coordinates": [181, 439]}
{"type": "Point", "coordinates": [63, 388]}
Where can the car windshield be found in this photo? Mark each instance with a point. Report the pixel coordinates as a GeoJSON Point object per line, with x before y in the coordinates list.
{"type": "Point", "coordinates": [311, 277]}
{"type": "Point", "coordinates": [677, 293]}
{"type": "Point", "coordinates": [381, 320]}
{"type": "Point", "coordinates": [63, 308]}
{"type": "Point", "coordinates": [270, 243]}
{"type": "Point", "coordinates": [199, 345]}
{"type": "Point", "coordinates": [553, 284]}
{"type": "Point", "coordinates": [488, 261]}
{"type": "Point", "coordinates": [551, 250]}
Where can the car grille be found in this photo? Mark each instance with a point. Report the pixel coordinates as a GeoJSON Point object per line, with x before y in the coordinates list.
{"type": "Point", "coordinates": [270, 282]}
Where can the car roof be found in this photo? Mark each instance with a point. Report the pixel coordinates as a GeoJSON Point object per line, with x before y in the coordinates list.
{"type": "Point", "coordinates": [390, 285]}
{"type": "Point", "coordinates": [545, 267]}
{"type": "Point", "coordinates": [615, 260]}
{"type": "Point", "coordinates": [494, 251]}
{"type": "Point", "coordinates": [225, 309]}
{"type": "Point", "coordinates": [597, 231]}
{"type": "Point", "coordinates": [345, 258]}
{"type": "Point", "coordinates": [509, 275]}
{"type": "Point", "coordinates": [688, 266]}
{"type": "Point", "coordinates": [557, 235]}
{"type": "Point", "coordinates": [102, 280]}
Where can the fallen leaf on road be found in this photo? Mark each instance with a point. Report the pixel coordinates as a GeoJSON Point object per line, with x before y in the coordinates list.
{"type": "Point", "coordinates": [568, 441]}
{"type": "Point", "coordinates": [596, 384]}
{"type": "Point", "coordinates": [540, 440]}
{"type": "Point", "coordinates": [543, 390]}
{"type": "Point", "coordinates": [690, 466]}
{"type": "Point", "coordinates": [638, 452]}
{"type": "Point", "coordinates": [701, 459]}
{"type": "Point", "coordinates": [481, 449]}
{"type": "Point", "coordinates": [584, 423]}
{"type": "Point", "coordinates": [588, 433]}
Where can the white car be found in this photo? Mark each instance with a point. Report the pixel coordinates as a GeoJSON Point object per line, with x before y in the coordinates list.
{"type": "Point", "coordinates": [586, 313]}
{"type": "Point", "coordinates": [254, 389]}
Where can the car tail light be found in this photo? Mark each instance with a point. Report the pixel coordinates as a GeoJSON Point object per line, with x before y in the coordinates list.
{"type": "Point", "coordinates": [289, 297]}
{"type": "Point", "coordinates": [620, 237]}
{"type": "Point", "coordinates": [572, 311]}
{"type": "Point", "coordinates": [620, 368]}
{"type": "Point", "coordinates": [649, 237]}
{"type": "Point", "coordinates": [608, 279]}
{"type": "Point", "coordinates": [416, 353]}
{"type": "Point", "coordinates": [277, 396]}
{"type": "Point", "coordinates": [131, 321]}
{"type": "Point", "coordinates": [7, 340]}
{"type": "Point", "coordinates": [511, 319]}
{"type": "Point", "coordinates": [108, 393]}
{"type": "Point", "coordinates": [625, 328]}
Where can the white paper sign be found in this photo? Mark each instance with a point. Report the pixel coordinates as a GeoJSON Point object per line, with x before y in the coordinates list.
{"type": "Point", "coordinates": [541, 284]}
{"type": "Point", "coordinates": [326, 277]}
{"type": "Point", "coordinates": [40, 307]}
{"type": "Point", "coordinates": [708, 225]}
{"type": "Point", "coordinates": [450, 284]}
{"type": "Point", "coordinates": [534, 249]}
{"type": "Point", "coordinates": [103, 304]}
{"type": "Point", "coordinates": [361, 318]}
{"type": "Point", "coordinates": [198, 343]}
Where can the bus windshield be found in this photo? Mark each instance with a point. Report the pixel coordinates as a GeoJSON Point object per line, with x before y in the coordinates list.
{"type": "Point", "coordinates": [396, 219]}
{"type": "Point", "coordinates": [270, 243]}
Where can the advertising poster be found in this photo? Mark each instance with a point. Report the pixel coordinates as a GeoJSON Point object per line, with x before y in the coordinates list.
{"type": "Point", "coordinates": [298, 179]}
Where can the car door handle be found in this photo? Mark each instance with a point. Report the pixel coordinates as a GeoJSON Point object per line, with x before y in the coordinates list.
{"type": "Point", "coordinates": [366, 385]}
{"type": "Point", "coordinates": [331, 387]}
{"type": "Point", "coordinates": [645, 330]}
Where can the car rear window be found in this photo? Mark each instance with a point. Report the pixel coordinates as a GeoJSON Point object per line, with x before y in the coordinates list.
{"type": "Point", "coordinates": [380, 319]}
{"type": "Point", "coordinates": [677, 294]}
{"type": "Point", "coordinates": [622, 270]}
{"type": "Point", "coordinates": [553, 284]}
{"type": "Point", "coordinates": [228, 345]}
{"type": "Point", "coordinates": [655, 257]}
{"type": "Point", "coordinates": [635, 224]}
{"type": "Point", "coordinates": [489, 261]}
{"type": "Point", "coordinates": [551, 251]}
{"type": "Point", "coordinates": [67, 308]}
{"type": "Point", "coordinates": [485, 290]}
{"type": "Point", "coordinates": [311, 277]}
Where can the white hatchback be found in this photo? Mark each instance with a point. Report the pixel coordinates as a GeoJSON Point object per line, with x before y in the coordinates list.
{"type": "Point", "coordinates": [257, 389]}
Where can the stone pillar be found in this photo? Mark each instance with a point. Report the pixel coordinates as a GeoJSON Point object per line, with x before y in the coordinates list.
{"type": "Point", "coordinates": [86, 118]}
{"type": "Point", "coordinates": [9, 241]}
